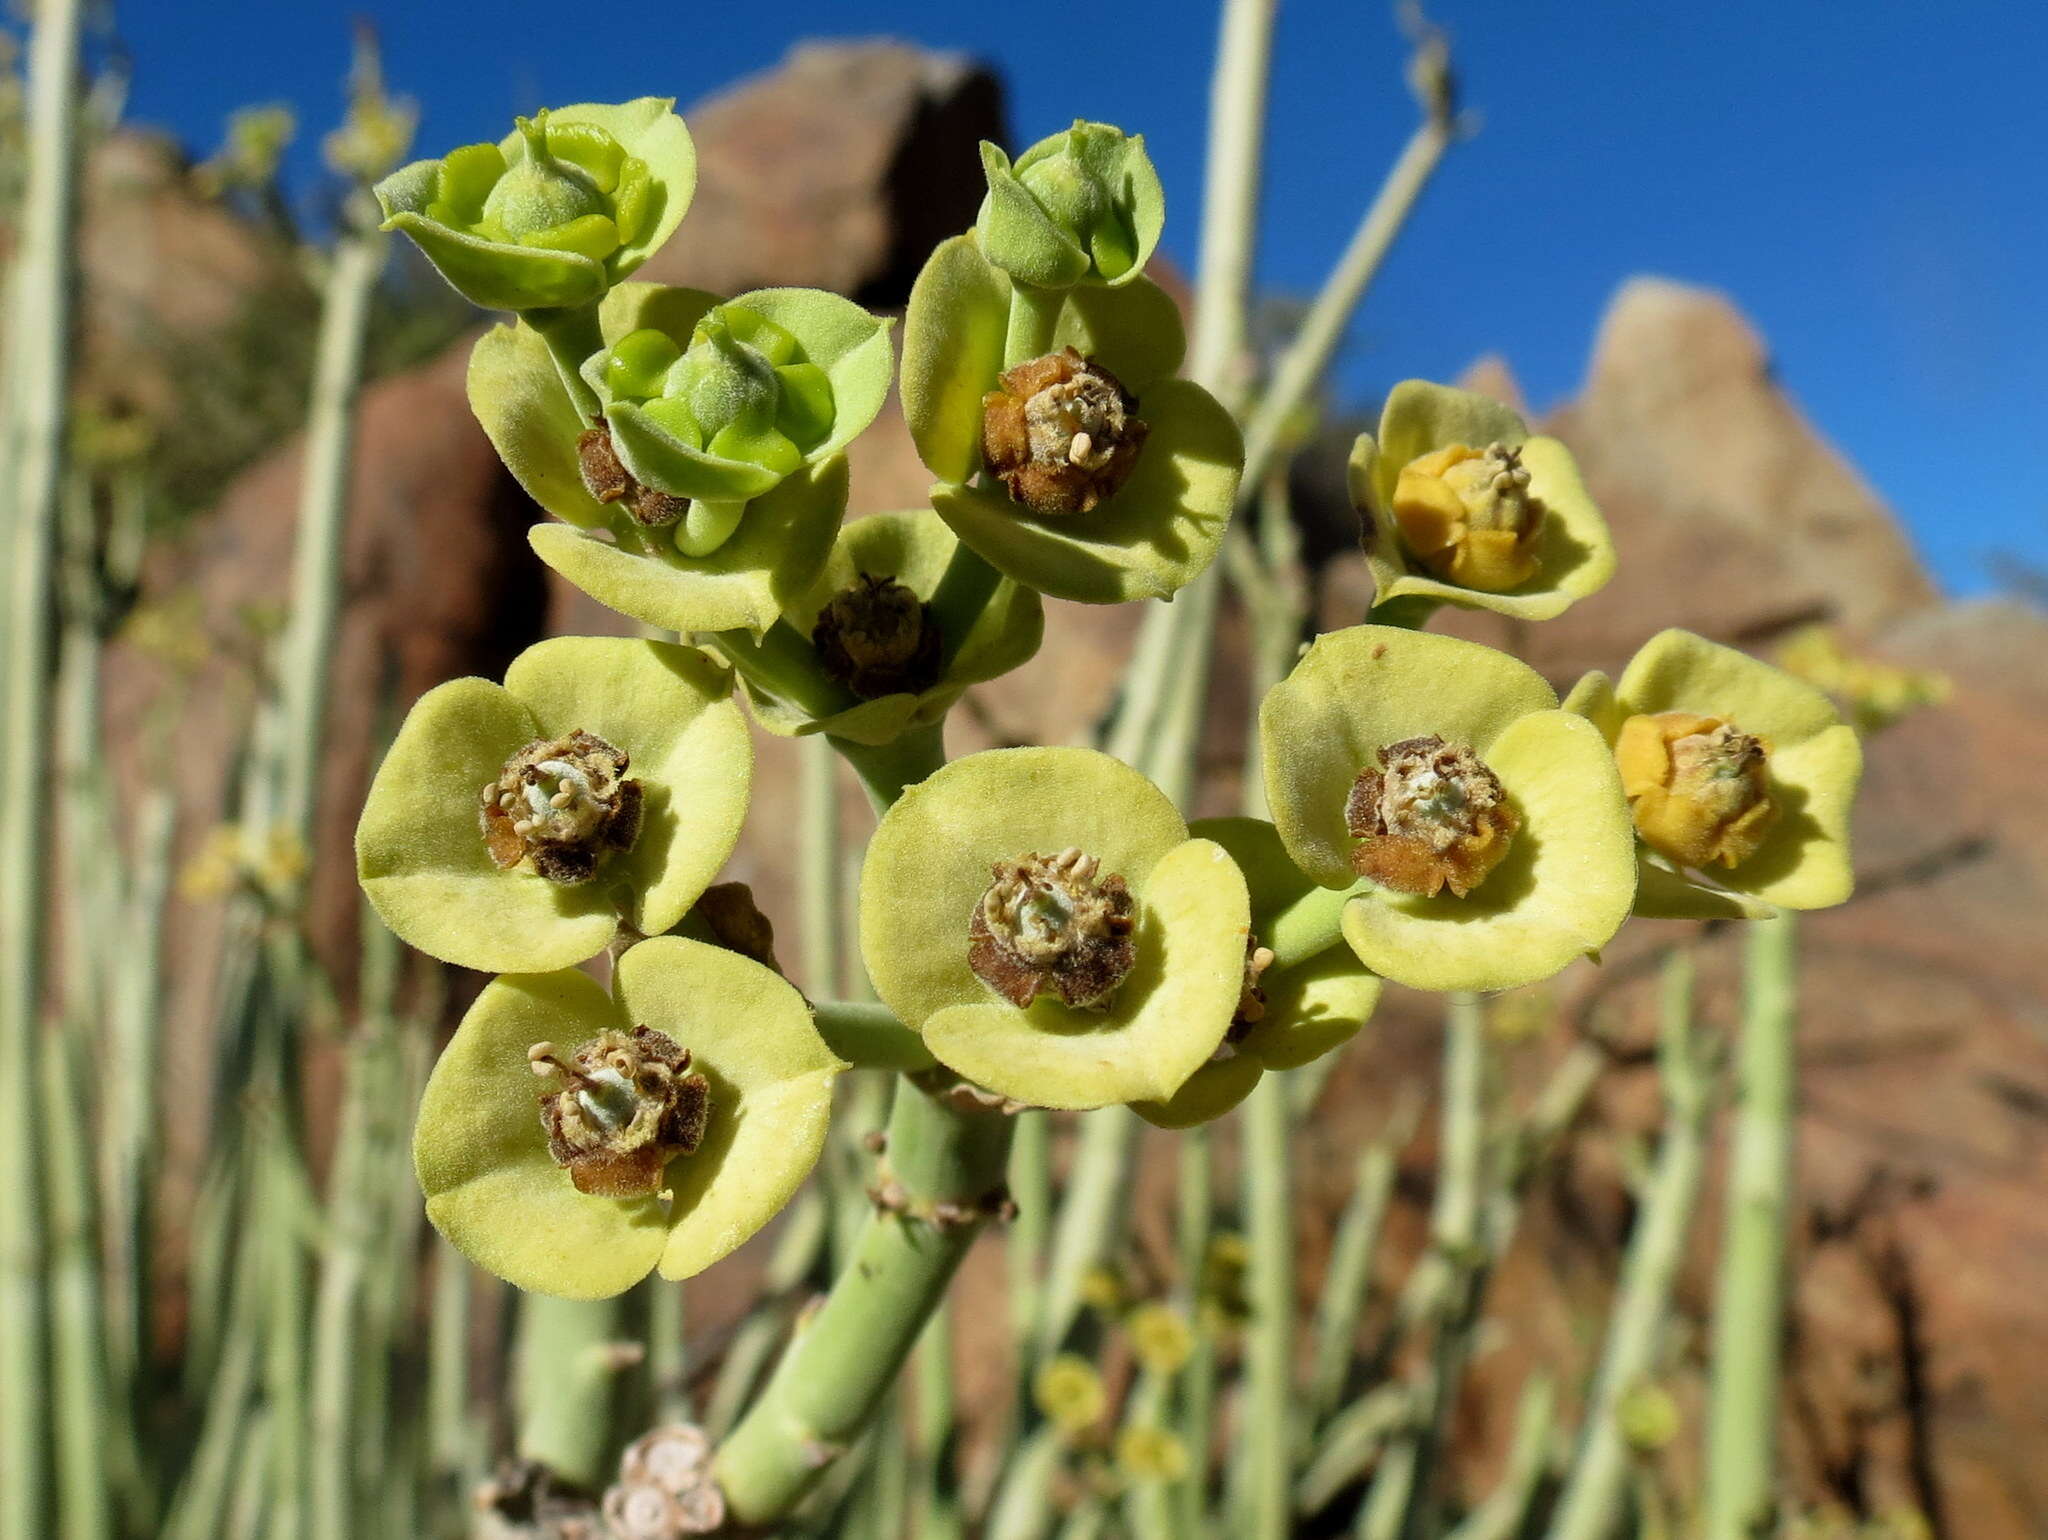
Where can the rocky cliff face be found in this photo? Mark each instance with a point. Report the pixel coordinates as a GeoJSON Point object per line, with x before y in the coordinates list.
{"type": "Point", "coordinates": [1924, 1134]}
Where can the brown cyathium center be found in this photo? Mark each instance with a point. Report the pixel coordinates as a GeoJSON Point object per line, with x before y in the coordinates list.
{"type": "Point", "coordinates": [624, 1106]}
{"type": "Point", "coordinates": [1251, 1000]}
{"type": "Point", "coordinates": [1062, 434]}
{"type": "Point", "coordinates": [1430, 816]}
{"type": "Point", "coordinates": [562, 803]}
{"type": "Point", "coordinates": [606, 478]}
{"type": "Point", "coordinates": [1053, 922]}
{"type": "Point", "coordinates": [877, 638]}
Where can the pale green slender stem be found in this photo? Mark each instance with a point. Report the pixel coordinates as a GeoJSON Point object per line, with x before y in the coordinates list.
{"type": "Point", "coordinates": [1749, 1310]}
{"type": "Point", "coordinates": [308, 651]}
{"type": "Point", "coordinates": [569, 1363]}
{"type": "Point", "coordinates": [868, 1035]}
{"type": "Point", "coordinates": [668, 1361]}
{"type": "Point", "coordinates": [1308, 355]}
{"type": "Point", "coordinates": [1091, 1221]}
{"type": "Point", "coordinates": [38, 382]}
{"type": "Point", "coordinates": [799, 1247]}
{"type": "Point", "coordinates": [949, 1160]}
{"type": "Point", "coordinates": [818, 867]}
{"type": "Point", "coordinates": [1193, 1228]}
{"type": "Point", "coordinates": [1505, 1513]}
{"type": "Point", "coordinates": [1034, 313]}
{"type": "Point", "coordinates": [77, 1360]}
{"type": "Point", "coordinates": [1269, 1342]}
{"type": "Point", "coordinates": [940, 1516]}
{"type": "Point", "coordinates": [1023, 1506]}
{"type": "Point", "coordinates": [572, 336]}
{"type": "Point", "coordinates": [1347, 1280]}
{"type": "Point", "coordinates": [1230, 190]}
{"type": "Point", "coordinates": [886, 771]}
{"type": "Point", "coordinates": [1455, 1242]}
{"type": "Point", "coordinates": [448, 1422]}
{"type": "Point", "coordinates": [964, 591]}
{"type": "Point", "coordinates": [1347, 1448]}
{"type": "Point", "coordinates": [1024, 1245]}
{"type": "Point", "coordinates": [1149, 1509]}
{"type": "Point", "coordinates": [1594, 1500]}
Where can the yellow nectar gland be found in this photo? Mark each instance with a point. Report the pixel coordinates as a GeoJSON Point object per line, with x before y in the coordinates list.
{"type": "Point", "coordinates": [561, 803]}
{"type": "Point", "coordinates": [1698, 787]}
{"type": "Point", "coordinates": [1062, 434]}
{"type": "Point", "coordinates": [1430, 816]}
{"type": "Point", "coordinates": [1469, 516]}
{"type": "Point", "coordinates": [626, 1104]}
{"type": "Point", "coordinates": [1053, 922]}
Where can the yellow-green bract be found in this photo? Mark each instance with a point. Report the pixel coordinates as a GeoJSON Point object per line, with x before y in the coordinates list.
{"type": "Point", "coordinates": [482, 1157]}
{"type": "Point", "coordinates": [1567, 880]}
{"type": "Point", "coordinates": [1311, 1008]}
{"type": "Point", "coordinates": [915, 549]}
{"type": "Point", "coordinates": [1815, 761]}
{"type": "Point", "coordinates": [1575, 553]}
{"type": "Point", "coordinates": [569, 203]}
{"type": "Point", "coordinates": [421, 855]}
{"type": "Point", "coordinates": [929, 865]}
{"type": "Point", "coordinates": [1157, 531]}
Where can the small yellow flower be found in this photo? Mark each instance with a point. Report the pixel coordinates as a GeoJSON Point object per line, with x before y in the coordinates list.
{"type": "Point", "coordinates": [1873, 693]}
{"type": "Point", "coordinates": [1732, 768]}
{"type": "Point", "coordinates": [1649, 1418]}
{"type": "Point", "coordinates": [1161, 1338]}
{"type": "Point", "coordinates": [1469, 515]}
{"type": "Point", "coordinates": [1103, 1288]}
{"type": "Point", "coordinates": [1070, 1393]}
{"type": "Point", "coordinates": [1146, 1453]}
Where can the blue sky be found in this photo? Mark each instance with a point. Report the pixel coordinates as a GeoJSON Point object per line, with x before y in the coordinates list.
{"type": "Point", "coordinates": [1865, 179]}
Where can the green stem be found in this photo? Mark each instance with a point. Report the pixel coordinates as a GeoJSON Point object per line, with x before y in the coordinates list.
{"type": "Point", "coordinates": [1024, 1247]}
{"type": "Point", "coordinates": [568, 1368]}
{"type": "Point", "coordinates": [1348, 1278]}
{"type": "Point", "coordinates": [1749, 1312]}
{"type": "Point", "coordinates": [936, 1377]}
{"type": "Point", "coordinates": [1193, 1227]}
{"type": "Point", "coordinates": [964, 590]}
{"type": "Point", "coordinates": [1091, 1222]}
{"type": "Point", "coordinates": [77, 1359]}
{"type": "Point", "coordinates": [308, 649]}
{"type": "Point", "coordinates": [949, 1160]}
{"type": "Point", "coordinates": [1505, 1513]}
{"type": "Point", "coordinates": [1034, 316]}
{"type": "Point", "coordinates": [1315, 344]}
{"type": "Point", "coordinates": [1269, 1346]}
{"type": "Point", "coordinates": [38, 384]}
{"type": "Point", "coordinates": [1595, 1496]}
{"type": "Point", "coordinates": [1308, 927]}
{"type": "Point", "coordinates": [1230, 214]}
{"type": "Point", "coordinates": [799, 1247]}
{"type": "Point", "coordinates": [818, 867]}
{"type": "Point", "coordinates": [888, 770]}
{"type": "Point", "coordinates": [783, 663]}
{"type": "Point", "coordinates": [572, 335]}
{"type": "Point", "coordinates": [867, 1034]}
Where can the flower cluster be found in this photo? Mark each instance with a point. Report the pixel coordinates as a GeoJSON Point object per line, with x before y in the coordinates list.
{"type": "Point", "coordinates": [1042, 926]}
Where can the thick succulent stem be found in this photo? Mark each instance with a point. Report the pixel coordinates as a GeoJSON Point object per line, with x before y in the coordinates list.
{"type": "Point", "coordinates": [572, 335]}
{"type": "Point", "coordinates": [568, 1369]}
{"type": "Point", "coordinates": [948, 1158]}
{"type": "Point", "coordinates": [1749, 1310]}
{"type": "Point", "coordinates": [886, 771]}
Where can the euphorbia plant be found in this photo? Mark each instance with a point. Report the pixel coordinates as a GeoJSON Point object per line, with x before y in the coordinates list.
{"type": "Point", "coordinates": [1043, 928]}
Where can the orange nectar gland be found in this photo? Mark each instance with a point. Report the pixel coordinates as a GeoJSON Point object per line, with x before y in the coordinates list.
{"type": "Point", "coordinates": [1062, 434]}
{"type": "Point", "coordinates": [626, 1104]}
{"type": "Point", "coordinates": [1430, 816]}
{"type": "Point", "coordinates": [1053, 922]}
{"type": "Point", "coordinates": [1469, 516]}
{"type": "Point", "coordinates": [1698, 786]}
{"type": "Point", "coordinates": [562, 803]}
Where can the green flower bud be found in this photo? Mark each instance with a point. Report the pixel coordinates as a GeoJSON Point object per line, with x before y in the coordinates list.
{"type": "Point", "coordinates": [714, 417]}
{"type": "Point", "coordinates": [563, 208]}
{"type": "Point", "coordinates": [682, 537]}
{"type": "Point", "coordinates": [1084, 206]}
